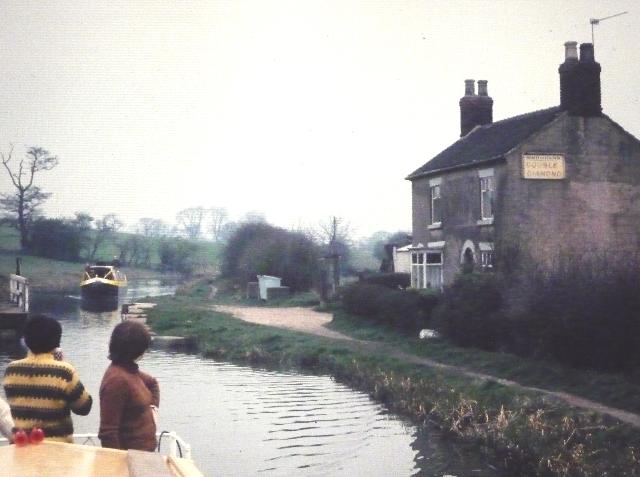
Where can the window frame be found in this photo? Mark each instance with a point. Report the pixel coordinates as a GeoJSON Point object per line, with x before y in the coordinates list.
{"type": "Point", "coordinates": [486, 255]}
{"type": "Point", "coordinates": [488, 186]}
{"type": "Point", "coordinates": [487, 191]}
{"type": "Point", "coordinates": [435, 202]}
{"type": "Point", "coordinates": [421, 261]}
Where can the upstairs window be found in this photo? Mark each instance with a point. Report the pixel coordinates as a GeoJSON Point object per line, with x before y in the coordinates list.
{"type": "Point", "coordinates": [487, 193]}
{"type": "Point", "coordinates": [436, 203]}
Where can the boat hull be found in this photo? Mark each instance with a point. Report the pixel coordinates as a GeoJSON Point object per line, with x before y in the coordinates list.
{"type": "Point", "coordinates": [93, 289]}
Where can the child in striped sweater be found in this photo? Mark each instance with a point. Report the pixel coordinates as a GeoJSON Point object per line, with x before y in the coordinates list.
{"type": "Point", "coordinates": [42, 390]}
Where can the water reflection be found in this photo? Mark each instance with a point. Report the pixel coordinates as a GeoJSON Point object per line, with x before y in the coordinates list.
{"type": "Point", "coordinates": [246, 421]}
{"type": "Point", "coordinates": [99, 304]}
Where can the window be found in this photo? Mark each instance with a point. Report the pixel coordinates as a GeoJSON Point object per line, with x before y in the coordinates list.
{"type": "Point", "coordinates": [486, 255]}
{"type": "Point", "coordinates": [434, 270]}
{"type": "Point", "coordinates": [417, 270]}
{"type": "Point", "coordinates": [436, 213]}
{"type": "Point", "coordinates": [486, 260]}
{"type": "Point", "coordinates": [486, 197]}
{"type": "Point", "coordinates": [426, 269]}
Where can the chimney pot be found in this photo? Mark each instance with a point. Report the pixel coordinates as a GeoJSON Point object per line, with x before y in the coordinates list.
{"type": "Point", "coordinates": [586, 52]}
{"type": "Point", "coordinates": [571, 50]}
{"type": "Point", "coordinates": [475, 110]}
{"type": "Point", "coordinates": [580, 82]}
{"type": "Point", "coordinates": [469, 87]}
{"type": "Point", "coordinates": [482, 88]}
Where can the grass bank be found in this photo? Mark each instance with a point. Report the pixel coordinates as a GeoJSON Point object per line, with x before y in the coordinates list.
{"type": "Point", "coordinates": [522, 433]}
{"type": "Point", "coordinates": [45, 274]}
{"type": "Point", "coordinates": [615, 390]}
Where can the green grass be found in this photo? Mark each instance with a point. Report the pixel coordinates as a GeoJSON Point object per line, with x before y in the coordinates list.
{"type": "Point", "coordinates": [524, 433]}
{"type": "Point", "coordinates": [9, 239]}
{"type": "Point", "coordinates": [616, 390]}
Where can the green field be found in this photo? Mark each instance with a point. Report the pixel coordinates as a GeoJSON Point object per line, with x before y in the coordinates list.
{"type": "Point", "coordinates": [49, 274]}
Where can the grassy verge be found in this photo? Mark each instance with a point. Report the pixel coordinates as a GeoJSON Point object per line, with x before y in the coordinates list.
{"type": "Point", "coordinates": [523, 433]}
{"type": "Point", "coordinates": [616, 390]}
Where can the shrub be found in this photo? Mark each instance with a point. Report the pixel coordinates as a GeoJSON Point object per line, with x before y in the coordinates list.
{"type": "Point", "coordinates": [408, 310]}
{"type": "Point", "coordinates": [389, 280]}
{"type": "Point", "coordinates": [183, 256]}
{"type": "Point", "coordinates": [470, 311]}
{"type": "Point", "coordinates": [56, 238]}
{"type": "Point", "coordinates": [262, 249]}
{"type": "Point", "coordinates": [584, 314]}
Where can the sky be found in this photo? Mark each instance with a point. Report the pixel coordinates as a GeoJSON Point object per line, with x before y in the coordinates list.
{"type": "Point", "coordinates": [298, 109]}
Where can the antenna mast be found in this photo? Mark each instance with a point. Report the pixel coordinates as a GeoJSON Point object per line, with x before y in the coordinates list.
{"type": "Point", "coordinates": [596, 21]}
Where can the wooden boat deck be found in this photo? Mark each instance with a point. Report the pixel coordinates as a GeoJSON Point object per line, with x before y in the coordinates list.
{"type": "Point", "coordinates": [56, 459]}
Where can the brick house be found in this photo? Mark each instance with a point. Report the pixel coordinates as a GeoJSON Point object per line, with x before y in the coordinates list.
{"type": "Point", "coordinates": [563, 181]}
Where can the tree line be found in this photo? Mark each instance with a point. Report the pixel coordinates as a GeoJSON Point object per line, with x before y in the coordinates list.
{"type": "Point", "coordinates": [252, 245]}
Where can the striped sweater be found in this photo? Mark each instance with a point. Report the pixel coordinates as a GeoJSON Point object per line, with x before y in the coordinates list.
{"type": "Point", "coordinates": [42, 391]}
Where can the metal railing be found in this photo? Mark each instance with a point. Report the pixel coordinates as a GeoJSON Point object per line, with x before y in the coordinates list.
{"type": "Point", "coordinates": [19, 292]}
{"type": "Point", "coordinates": [176, 446]}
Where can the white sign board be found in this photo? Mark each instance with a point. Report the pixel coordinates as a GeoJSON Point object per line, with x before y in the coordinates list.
{"type": "Point", "coordinates": [543, 166]}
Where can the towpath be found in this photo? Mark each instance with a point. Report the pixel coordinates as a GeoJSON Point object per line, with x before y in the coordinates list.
{"type": "Point", "coordinates": [309, 321]}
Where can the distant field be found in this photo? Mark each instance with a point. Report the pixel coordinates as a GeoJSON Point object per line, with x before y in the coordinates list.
{"type": "Point", "coordinates": [9, 238]}
{"type": "Point", "coordinates": [59, 275]}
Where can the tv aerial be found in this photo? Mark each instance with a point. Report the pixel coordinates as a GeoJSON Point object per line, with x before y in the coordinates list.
{"type": "Point", "coordinates": [596, 21]}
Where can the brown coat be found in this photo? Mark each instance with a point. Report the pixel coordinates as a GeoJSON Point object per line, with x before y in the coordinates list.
{"type": "Point", "coordinates": [126, 418]}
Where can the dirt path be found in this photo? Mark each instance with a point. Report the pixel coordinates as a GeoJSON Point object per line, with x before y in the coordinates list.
{"type": "Point", "coordinates": [309, 321]}
{"type": "Point", "coordinates": [301, 319]}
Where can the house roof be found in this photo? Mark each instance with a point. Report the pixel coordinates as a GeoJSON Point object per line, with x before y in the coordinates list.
{"type": "Point", "coordinates": [488, 142]}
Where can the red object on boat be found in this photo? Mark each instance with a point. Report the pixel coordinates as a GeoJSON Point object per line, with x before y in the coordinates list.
{"type": "Point", "coordinates": [21, 438]}
{"type": "Point", "coordinates": [36, 436]}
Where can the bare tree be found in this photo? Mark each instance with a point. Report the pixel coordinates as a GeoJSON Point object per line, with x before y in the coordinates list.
{"type": "Point", "coordinates": [152, 228]}
{"type": "Point", "coordinates": [106, 228]}
{"type": "Point", "coordinates": [149, 229]}
{"type": "Point", "coordinates": [190, 221]}
{"type": "Point", "coordinates": [334, 234]}
{"type": "Point", "coordinates": [218, 219]}
{"type": "Point", "coordinates": [21, 205]}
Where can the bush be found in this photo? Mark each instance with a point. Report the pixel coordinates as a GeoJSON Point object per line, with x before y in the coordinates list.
{"type": "Point", "coordinates": [261, 249]}
{"type": "Point", "coordinates": [470, 311]}
{"type": "Point", "coordinates": [180, 255]}
{"type": "Point", "coordinates": [389, 280]}
{"type": "Point", "coordinates": [584, 314]}
{"type": "Point", "coordinates": [408, 310]}
{"type": "Point", "coordinates": [56, 238]}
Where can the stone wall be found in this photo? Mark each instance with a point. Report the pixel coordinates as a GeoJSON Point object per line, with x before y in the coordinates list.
{"type": "Point", "coordinates": [593, 212]}
{"type": "Point", "coordinates": [460, 199]}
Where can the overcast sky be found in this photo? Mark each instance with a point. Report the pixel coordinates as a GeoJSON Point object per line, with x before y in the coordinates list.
{"type": "Point", "coordinates": [299, 109]}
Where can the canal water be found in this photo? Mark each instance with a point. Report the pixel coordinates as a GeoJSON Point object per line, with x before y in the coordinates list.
{"type": "Point", "coordinates": [243, 421]}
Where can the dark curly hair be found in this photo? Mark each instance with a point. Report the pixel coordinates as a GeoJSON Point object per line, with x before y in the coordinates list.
{"type": "Point", "coordinates": [129, 340]}
{"type": "Point", "coordinates": [42, 334]}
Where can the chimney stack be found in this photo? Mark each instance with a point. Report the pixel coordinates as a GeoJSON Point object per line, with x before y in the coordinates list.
{"type": "Point", "coordinates": [580, 81]}
{"type": "Point", "coordinates": [475, 110]}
